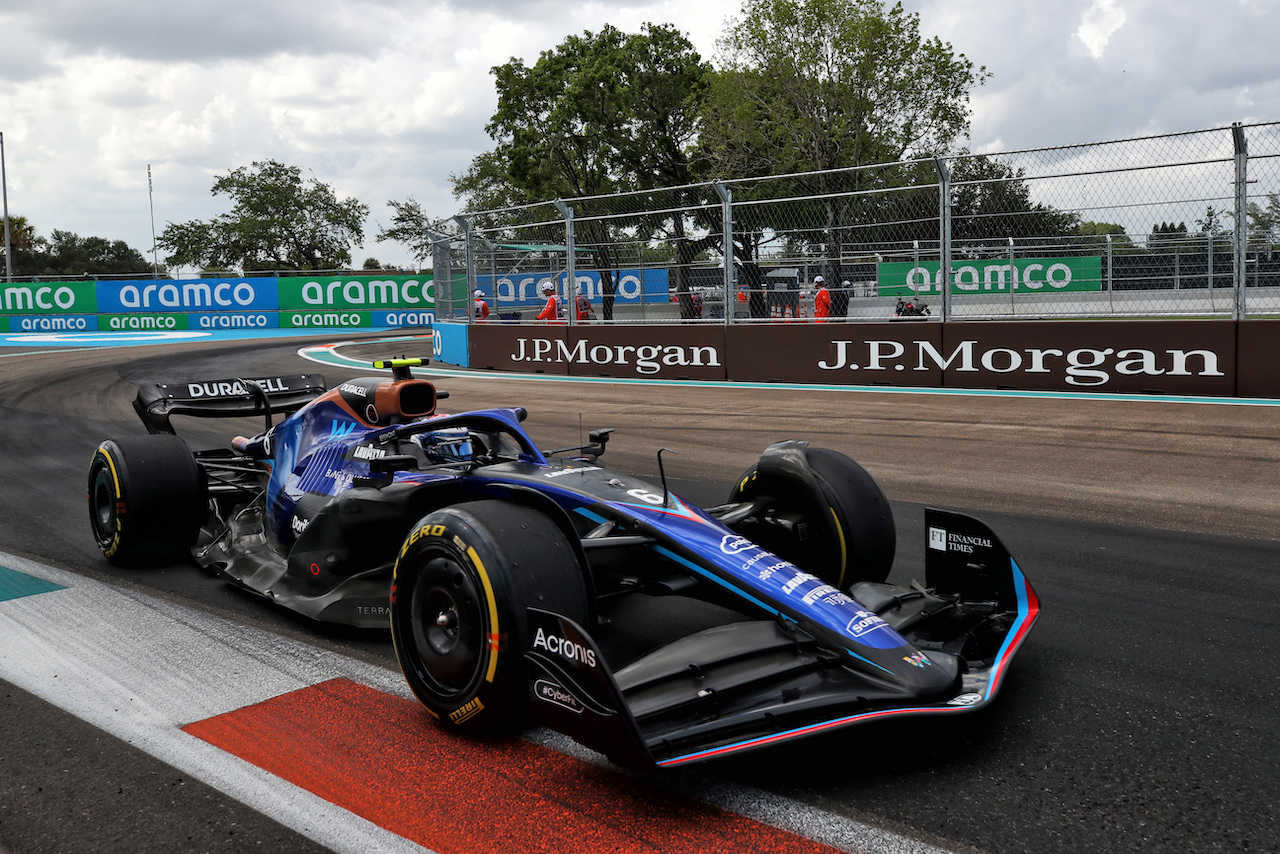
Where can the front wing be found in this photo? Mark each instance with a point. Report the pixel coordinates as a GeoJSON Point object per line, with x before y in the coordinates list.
{"type": "Point", "coordinates": [754, 684]}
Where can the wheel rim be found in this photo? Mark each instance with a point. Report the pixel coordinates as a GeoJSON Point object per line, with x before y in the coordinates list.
{"type": "Point", "coordinates": [449, 626]}
{"type": "Point", "coordinates": [104, 506]}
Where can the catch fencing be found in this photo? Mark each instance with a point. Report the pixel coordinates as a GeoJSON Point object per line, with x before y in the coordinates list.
{"type": "Point", "coordinates": [1176, 225]}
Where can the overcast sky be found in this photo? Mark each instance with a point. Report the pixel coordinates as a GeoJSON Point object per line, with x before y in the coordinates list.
{"type": "Point", "coordinates": [384, 98]}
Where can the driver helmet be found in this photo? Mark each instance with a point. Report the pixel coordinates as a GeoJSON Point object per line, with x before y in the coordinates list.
{"type": "Point", "coordinates": [451, 445]}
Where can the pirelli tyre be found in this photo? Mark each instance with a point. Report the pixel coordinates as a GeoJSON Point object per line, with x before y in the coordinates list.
{"type": "Point", "coordinates": [463, 581]}
{"type": "Point", "coordinates": [828, 516]}
{"type": "Point", "coordinates": [146, 498]}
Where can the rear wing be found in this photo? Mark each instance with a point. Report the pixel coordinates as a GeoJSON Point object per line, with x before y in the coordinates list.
{"type": "Point", "coordinates": [228, 398]}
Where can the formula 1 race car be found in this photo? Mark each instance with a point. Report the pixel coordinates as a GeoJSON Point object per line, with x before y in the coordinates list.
{"type": "Point", "coordinates": [515, 580]}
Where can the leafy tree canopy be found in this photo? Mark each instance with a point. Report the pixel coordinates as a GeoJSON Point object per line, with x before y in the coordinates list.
{"type": "Point", "coordinates": [408, 224]}
{"type": "Point", "coordinates": [65, 253]}
{"type": "Point", "coordinates": [825, 84]}
{"type": "Point", "coordinates": [278, 221]}
{"type": "Point", "coordinates": [601, 112]}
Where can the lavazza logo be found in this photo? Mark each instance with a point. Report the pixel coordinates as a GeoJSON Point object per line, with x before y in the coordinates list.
{"type": "Point", "coordinates": [1084, 366]}
{"type": "Point", "coordinates": [647, 358]}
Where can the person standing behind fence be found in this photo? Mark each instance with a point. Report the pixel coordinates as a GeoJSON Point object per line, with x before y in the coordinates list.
{"type": "Point", "coordinates": [821, 300]}
{"type": "Point", "coordinates": [550, 311]}
{"type": "Point", "coordinates": [481, 307]}
{"type": "Point", "coordinates": [582, 305]}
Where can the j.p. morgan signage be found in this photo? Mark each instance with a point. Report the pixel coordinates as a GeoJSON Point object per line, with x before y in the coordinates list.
{"type": "Point", "coordinates": [1179, 357]}
{"type": "Point", "coordinates": [1087, 357]}
{"type": "Point", "coordinates": [659, 352]}
{"type": "Point", "coordinates": [1176, 357]}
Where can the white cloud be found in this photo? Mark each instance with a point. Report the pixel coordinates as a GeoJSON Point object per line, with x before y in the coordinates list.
{"type": "Point", "coordinates": [1102, 19]}
{"type": "Point", "coordinates": [384, 98]}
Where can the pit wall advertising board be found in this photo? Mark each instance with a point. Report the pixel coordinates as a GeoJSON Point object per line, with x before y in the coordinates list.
{"type": "Point", "coordinates": [267, 302]}
{"type": "Point", "coordinates": [452, 343]}
{"type": "Point", "coordinates": [1219, 358]}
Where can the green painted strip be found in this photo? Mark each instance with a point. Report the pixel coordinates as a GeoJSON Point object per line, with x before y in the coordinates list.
{"type": "Point", "coordinates": [14, 584]}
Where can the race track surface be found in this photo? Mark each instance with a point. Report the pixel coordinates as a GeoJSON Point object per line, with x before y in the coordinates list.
{"type": "Point", "coordinates": [1139, 716]}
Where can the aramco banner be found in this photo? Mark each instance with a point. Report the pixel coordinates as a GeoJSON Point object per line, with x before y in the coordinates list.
{"type": "Point", "coordinates": [992, 275]}
{"type": "Point", "coordinates": [127, 305]}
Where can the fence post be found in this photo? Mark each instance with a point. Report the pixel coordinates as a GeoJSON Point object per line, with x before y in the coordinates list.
{"type": "Point", "coordinates": [726, 218]}
{"type": "Point", "coordinates": [944, 235]}
{"type": "Point", "coordinates": [1013, 280]}
{"type": "Point", "coordinates": [471, 269]}
{"type": "Point", "coordinates": [1241, 236]}
{"type": "Point", "coordinates": [1111, 293]}
{"type": "Point", "coordinates": [571, 296]}
{"type": "Point", "coordinates": [441, 270]}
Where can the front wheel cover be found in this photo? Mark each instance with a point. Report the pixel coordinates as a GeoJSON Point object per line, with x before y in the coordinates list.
{"type": "Point", "coordinates": [465, 577]}
{"type": "Point", "coordinates": [448, 641]}
{"type": "Point", "coordinates": [848, 523]}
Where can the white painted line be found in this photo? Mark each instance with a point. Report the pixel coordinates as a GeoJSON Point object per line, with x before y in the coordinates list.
{"type": "Point", "coordinates": [140, 667]}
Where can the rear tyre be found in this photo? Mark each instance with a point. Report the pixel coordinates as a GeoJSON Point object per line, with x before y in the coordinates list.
{"type": "Point", "coordinates": [146, 498]}
{"type": "Point", "coordinates": [463, 581]}
{"type": "Point", "coordinates": [837, 526]}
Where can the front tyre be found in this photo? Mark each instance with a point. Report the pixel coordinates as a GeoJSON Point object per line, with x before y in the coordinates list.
{"type": "Point", "coordinates": [465, 577]}
{"type": "Point", "coordinates": [146, 498]}
{"type": "Point", "coordinates": [825, 513]}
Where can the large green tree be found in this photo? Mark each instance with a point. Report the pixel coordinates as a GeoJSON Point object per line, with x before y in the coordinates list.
{"type": "Point", "coordinates": [811, 86]}
{"type": "Point", "coordinates": [600, 113]}
{"type": "Point", "coordinates": [278, 221]}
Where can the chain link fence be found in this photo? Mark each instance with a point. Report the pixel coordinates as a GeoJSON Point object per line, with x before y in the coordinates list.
{"type": "Point", "coordinates": [1184, 225]}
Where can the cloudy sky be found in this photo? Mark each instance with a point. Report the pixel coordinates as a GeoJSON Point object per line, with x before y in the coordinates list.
{"type": "Point", "coordinates": [383, 99]}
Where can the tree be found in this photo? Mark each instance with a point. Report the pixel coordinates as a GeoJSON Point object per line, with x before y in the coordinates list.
{"type": "Point", "coordinates": [1214, 236]}
{"type": "Point", "coordinates": [992, 201]}
{"type": "Point", "coordinates": [1264, 224]}
{"type": "Point", "coordinates": [810, 86]}
{"type": "Point", "coordinates": [409, 224]}
{"type": "Point", "coordinates": [1167, 237]}
{"type": "Point", "coordinates": [601, 113]}
{"type": "Point", "coordinates": [68, 254]}
{"type": "Point", "coordinates": [277, 222]}
{"type": "Point", "coordinates": [1094, 236]}
{"type": "Point", "coordinates": [25, 244]}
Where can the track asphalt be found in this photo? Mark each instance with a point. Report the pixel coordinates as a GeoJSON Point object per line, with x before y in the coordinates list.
{"type": "Point", "coordinates": [1140, 717]}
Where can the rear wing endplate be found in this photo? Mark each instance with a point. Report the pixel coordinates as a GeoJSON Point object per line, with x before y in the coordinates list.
{"type": "Point", "coordinates": [227, 398]}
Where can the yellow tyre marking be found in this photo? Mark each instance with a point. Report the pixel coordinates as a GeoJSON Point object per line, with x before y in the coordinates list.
{"type": "Point", "coordinates": [493, 613]}
{"type": "Point", "coordinates": [115, 478]}
{"type": "Point", "coordinates": [844, 554]}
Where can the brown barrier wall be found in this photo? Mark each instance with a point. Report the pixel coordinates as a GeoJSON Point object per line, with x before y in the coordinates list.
{"type": "Point", "coordinates": [529, 349]}
{"type": "Point", "coordinates": [832, 353]}
{"type": "Point", "coordinates": [1258, 358]}
{"type": "Point", "coordinates": [653, 351]}
{"type": "Point", "coordinates": [1193, 357]}
{"type": "Point", "coordinates": [1129, 356]}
